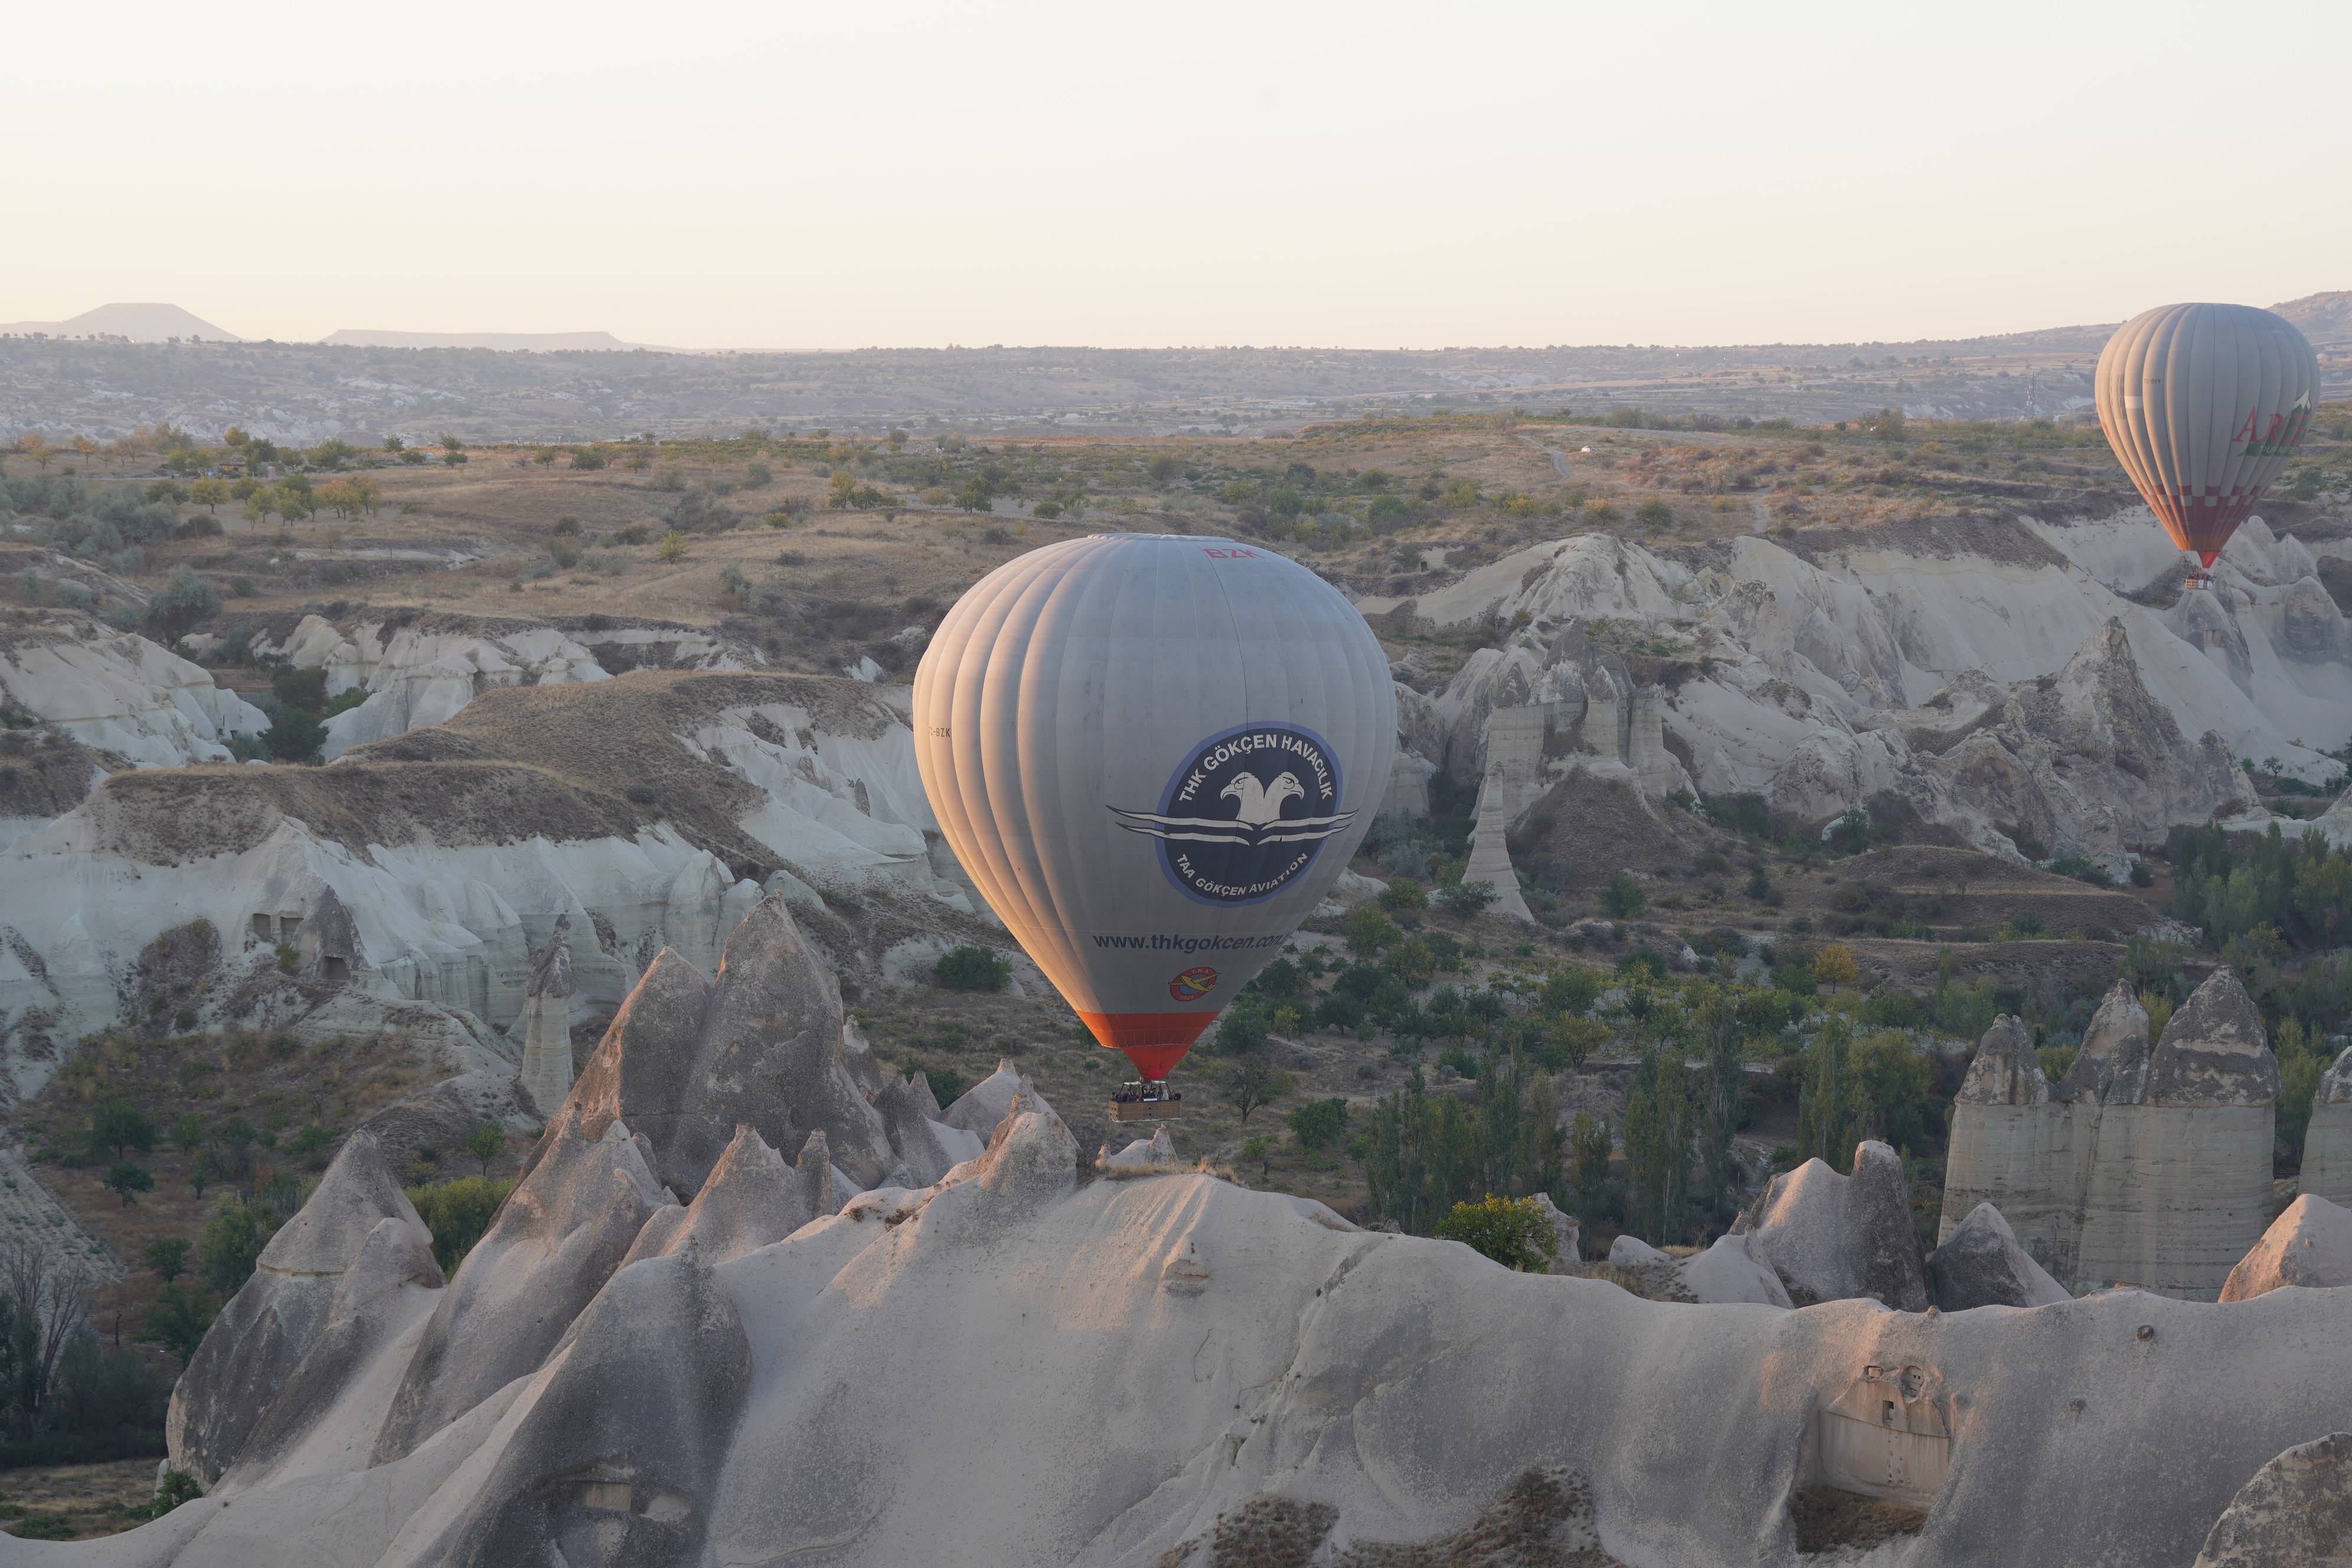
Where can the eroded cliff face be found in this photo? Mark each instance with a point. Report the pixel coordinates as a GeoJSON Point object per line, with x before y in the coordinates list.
{"type": "Point", "coordinates": [2001, 684]}
{"type": "Point", "coordinates": [2145, 1166]}
{"type": "Point", "coordinates": [1006, 1364]}
{"type": "Point", "coordinates": [649, 811]}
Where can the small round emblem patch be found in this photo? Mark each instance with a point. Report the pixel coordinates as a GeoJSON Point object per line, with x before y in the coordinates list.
{"type": "Point", "coordinates": [1245, 814]}
{"type": "Point", "coordinates": [1193, 983]}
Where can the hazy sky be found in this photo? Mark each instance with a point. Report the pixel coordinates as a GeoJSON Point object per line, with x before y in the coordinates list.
{"type": "Point", "coordinates": [1361, 173]}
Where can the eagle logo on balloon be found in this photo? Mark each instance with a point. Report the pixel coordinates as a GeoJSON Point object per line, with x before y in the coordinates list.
{"type": "Point", "coordinates": [1250, 849]}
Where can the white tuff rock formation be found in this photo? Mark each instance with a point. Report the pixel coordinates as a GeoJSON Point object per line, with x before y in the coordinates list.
{"type": "Point", "coordinates": [1993, 677]}
{"type": "Point", "coordinates": [2145, 1166]}
{"type": "Point", "coordinates": [2327, 1141]}
{"type": "Point", "coordinates": [546, 1023]}
{"type": "Point", "coordinates": [2310, 1245]}
{"type": "Point", "coordinates": [120, 693]}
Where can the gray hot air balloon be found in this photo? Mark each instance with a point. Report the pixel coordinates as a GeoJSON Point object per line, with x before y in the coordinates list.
{"type": "Point", "coordinates": [2203, 404]}
{"type": "Point", "coordinates": [1154, 754]}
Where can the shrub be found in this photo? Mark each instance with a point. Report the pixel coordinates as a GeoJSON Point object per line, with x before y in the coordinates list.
{"type": "Point", "coordinates": [1369, 930]}
{"type": "Point", "coordinates": [1467, 899]}
{"type": "Point", "coordinates": [947, 1084]}
{"type": "Point", "coordinates": [231, 1243]}
{"type": "Point", "coordinates": [1244, 1027]}
{"type": "Point", "coordinates": [127, 1181]}
{"type": "Point", "coordinates": [1404, 895]}
{"type": "Point", "coordinates": [1319, 1123]}
{"type": "Point", "coordinates": [1512, 1232]}
{"type": "Point", "coordinates": [457, 1212]}
{"type": "Point", "coordinates": [1622, 898]}
{"type": "Point", "coordinates": [972, 969]}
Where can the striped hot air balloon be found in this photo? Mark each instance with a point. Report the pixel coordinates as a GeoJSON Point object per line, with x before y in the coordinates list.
{"type": "Point", "coordinates": [1154, 754]}
{"type": "Point", "coordinates": [2203, 404]}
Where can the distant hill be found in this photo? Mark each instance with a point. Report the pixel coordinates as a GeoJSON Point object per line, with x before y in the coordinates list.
{"type": "Point", "coordinates": [140, 324]}
{"type": "Point", "coordinates": [2324, 318]}
{"type": "Point", "coordinates": [534, 343]}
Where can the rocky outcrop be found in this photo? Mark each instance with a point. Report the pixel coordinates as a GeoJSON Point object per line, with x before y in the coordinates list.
{"type": "Point", "coordinates": [750, 1199]}
{"type": "Point", "coordinates": [2146, 1165]}
{"type": "Point", "coordinates": [893, 1386]}
{"type": "Point", "coordinates": [615, 1449]}
{"type": "Point", "coordinates": [981, 1108]}
{"type": "Point", "coordinates": [556, 1240]}
{"type": "Point", "coordinates": [1980, 1264]}
{"type": "Point", "coordinates": [2327, 1140]}
{"type": "Point", "coordinates": [1727, 1272]}
{"type": "Point", "coordinates": [271, 1324]}
{"type": "Point", "coordinates": [1833, 1237]}
{"type": "Point", "coordinates": [120, 693]}
{"type": "Point", "coordinates": [546, 1023]}
{"type": "Point", "coordinates": [1998, 683]}
{"type": "Point", "coordinates": [2309, 1246]}
{"type": "Point", "coordinates": [690, 1058]}
{"type": "Point", "coordinates": [421, 670]}
{"type": "Point", "coordinates": [2296, 1512]}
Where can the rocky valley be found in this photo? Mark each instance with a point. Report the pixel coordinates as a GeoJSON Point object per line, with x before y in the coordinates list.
{"type": "Point", "coordinates": [516, 903]}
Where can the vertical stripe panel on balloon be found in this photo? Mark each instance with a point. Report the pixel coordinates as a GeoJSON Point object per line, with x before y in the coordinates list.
{"type": "Point", "coordinates": [1056, 753]}
{"type": "Point", "coordinates": [964, 788]}
{"type": "Point", "coordinates": [2140, 377]}
{"type": "Point", "coordinates": [994, 767]}
{"type": "Point", "coordinates": [1082, 681]}
{"type": "Point", "coordinates": [940, 680]}
{"type": "Point", "coordinates": [2171, 415]}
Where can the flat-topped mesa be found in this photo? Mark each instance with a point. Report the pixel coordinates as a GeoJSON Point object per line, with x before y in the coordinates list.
{"type": "Point", "coordinates": [2148, 1165]}
{"type": "Point", "coordinates": [2327, 1142]}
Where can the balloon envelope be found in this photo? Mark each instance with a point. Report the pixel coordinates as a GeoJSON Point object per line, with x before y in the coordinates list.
{"type": "Point", "coordinates": [2203, 404]}
{"type": "Point", "coordinates": [1154, 754]}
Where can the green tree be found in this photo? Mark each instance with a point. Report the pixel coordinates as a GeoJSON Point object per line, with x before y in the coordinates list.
{"type": "Point", "coordinates": [1826, 1128]}
{"type": "Point", "coordinates": [457, 1214]}
{"type": "Point", "coordinates": [486, 1144]}
{"type": "Point", "coordinates": [209, 493]}
{"type": "Point", "coordinates": [1369, 931]}
{"type": "Point", "coordinates": [1467, 899]}
{"type": "Point", "coordinates": [1256, 1082]}
{"type": "Point", "coordinates": [1714, 1033]}
{"type": "Point", "coordinates": [167, 1256]}
{"type": "Point", "coordinates": [188, 1133]}
{"type": "Point", "coordinates": [1404, 895]}
{"type": "Point", "coordinates": [177, 1321]}
{"type": "Point", "coordinates": [184, 602]}
{"type": "Point", "coordinates": [1512, 1232]}
{"type": "Point", "coordinates": [670, 546]}
{"type": "Point", "coordinates": [971, 968]}
{"type": "Point", "coordinates": [1258, 1149]}
{"type": "Point", "coordinates": [1622, 897]}
{"type": "Point", "coordinates": [1243, 1029]}
{"type": "Point", "coordinates": [201, 1172]}
{"type": "Point", "coordinates": [231, 1243]}
{"type": "Point", "coordinates": [117, 1127]}
{"type": "Point", "coordinates": [1319, 1123]}
{"type": "Point", "coordinates": [1592, 1144]}
{"type": "Point", "coordinates": [1657, 1148]}
{"type": "Point", "coordinates": [127, 1181]}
